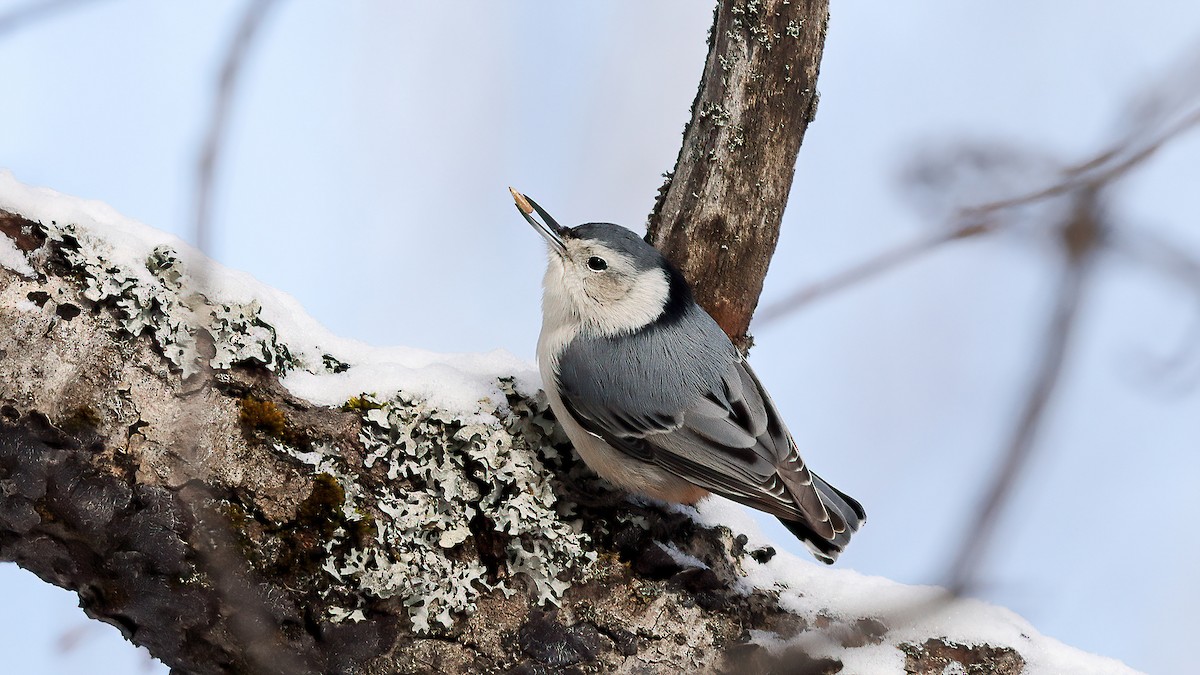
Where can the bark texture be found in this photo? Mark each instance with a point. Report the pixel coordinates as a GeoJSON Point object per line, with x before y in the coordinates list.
{"type": "Point", "coordinates": [718, 215]}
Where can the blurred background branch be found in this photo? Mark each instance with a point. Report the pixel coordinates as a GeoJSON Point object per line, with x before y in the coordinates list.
{"type": "Point", "coordinates": [223, 98]}
{"type": "Point", "coordinates": [31, 12]}
{"type": "Point", "coordinates": [951, 187]}
{"type": "Point", "coordinates": [1081, 236]}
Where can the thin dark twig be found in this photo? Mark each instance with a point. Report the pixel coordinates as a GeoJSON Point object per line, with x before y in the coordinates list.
{"type": "Point", "coordinates": [1080, 237]}
{"type": "Point", "coordinates": [211, 538]}
{"type": "Point", "coordinates": [1083, 235]}
{"type": "Point", "coordinates": [1044, 384]}
{"type": "Point", "coordinates": [263, 645]}
{"type": "Point", "coordinates": [210, 148]}
{"type": "Point", "coordinates": [863, 271]}
{"type": "Point", "coordinates": [31, 12]}
{"type": "Point", "coordinates": [1089, 174]}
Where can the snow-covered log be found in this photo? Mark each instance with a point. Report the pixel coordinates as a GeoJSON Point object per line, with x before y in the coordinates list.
{"type": "Point", "coordinates": [241, 491]}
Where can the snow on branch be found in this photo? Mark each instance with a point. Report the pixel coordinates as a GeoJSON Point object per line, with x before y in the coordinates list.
{"type": "Point", "coordinates": [237, 489]}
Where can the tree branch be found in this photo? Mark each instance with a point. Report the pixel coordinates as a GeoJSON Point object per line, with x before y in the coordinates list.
{"type": "Point", "coordinates": [229, 526]}
{"type": "Point", "coordinates": [869, 269]}
{"type": "Point", "coordinates": [1080, 238]}
{"type": "Point", "coordinates": [31, 12]}
{"type": "Point", "coordinates": [718, 215]}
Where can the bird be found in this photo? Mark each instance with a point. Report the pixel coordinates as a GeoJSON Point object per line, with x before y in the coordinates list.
{"type": "Point", "coordinates": [653, 394]}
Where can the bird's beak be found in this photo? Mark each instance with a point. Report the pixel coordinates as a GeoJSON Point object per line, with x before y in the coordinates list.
{"type": "Point", "coordinates": [551, 230]}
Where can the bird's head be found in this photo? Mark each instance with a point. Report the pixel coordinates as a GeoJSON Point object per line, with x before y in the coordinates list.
{"type": "Point", "coordinates": [603, 277]}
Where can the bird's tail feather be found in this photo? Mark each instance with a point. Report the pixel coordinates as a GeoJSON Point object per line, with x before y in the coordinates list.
{"type": "Point", "coordinates": [843, 510]}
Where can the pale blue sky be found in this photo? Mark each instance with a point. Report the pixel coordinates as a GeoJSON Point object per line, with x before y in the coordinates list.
{"type": "Point", "coordinates": [366, 174]}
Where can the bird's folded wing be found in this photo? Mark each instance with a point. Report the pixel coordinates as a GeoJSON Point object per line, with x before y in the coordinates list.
{"type": "Point", "coordinates": [727, 438]}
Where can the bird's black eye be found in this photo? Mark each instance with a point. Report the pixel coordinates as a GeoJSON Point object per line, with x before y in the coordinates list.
{"type": "Point", "coordinates": [597, 264]}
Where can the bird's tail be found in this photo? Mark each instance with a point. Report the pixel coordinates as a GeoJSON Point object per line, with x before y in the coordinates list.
{"type": "Point", "coordinates": [846, 515]}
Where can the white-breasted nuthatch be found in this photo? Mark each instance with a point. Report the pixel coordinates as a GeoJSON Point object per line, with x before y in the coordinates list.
{"type": "Point", "coordinates": [655, 397]}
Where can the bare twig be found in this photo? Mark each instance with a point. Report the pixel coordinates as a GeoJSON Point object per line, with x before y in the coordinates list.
{"type": "Point", "coordinates": [1100, 169]}
{"type": "Point", "coordinates": [1080, 238]}
{"type": "Point", "coordinates": [1097, 171]}
{"type": "Point", "coordinates": [1081, 235]}
{"type": "Point", "coordinates": [874, 267]}
{"type": "Point", "coordinates": [256, 630]}
{"type": "Point", "coordinates": [210, 147]}
{"type": "Point", "coordinates": [212, 537]}
{"type": "Point", "coordinates": [31, 12]}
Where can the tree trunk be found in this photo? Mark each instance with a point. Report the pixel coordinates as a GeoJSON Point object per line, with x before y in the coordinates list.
{"type": "Point", "coordinates": [718, 215]}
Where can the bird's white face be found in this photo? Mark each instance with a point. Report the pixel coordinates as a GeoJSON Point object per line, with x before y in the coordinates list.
{"type": "Point", "coordinates": [593, 288]}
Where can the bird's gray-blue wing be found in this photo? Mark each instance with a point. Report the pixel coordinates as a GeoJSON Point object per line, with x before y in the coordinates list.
{"type": "Point", "coordinates": [698, 410]}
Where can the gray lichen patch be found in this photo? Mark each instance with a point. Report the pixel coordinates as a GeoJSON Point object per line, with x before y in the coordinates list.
{"type": "Point", "coordinates": [160, 300]}
{"type": "Point", "coordinates": [749, 22]}
{"type": "Point", "coordinates": [459, 496]}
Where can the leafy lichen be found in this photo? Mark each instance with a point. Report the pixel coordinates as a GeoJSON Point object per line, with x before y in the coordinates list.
{"type": "Point", "coordinates": [458, 471]}
{"type": "Point", "coordinates": [159, 300]}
